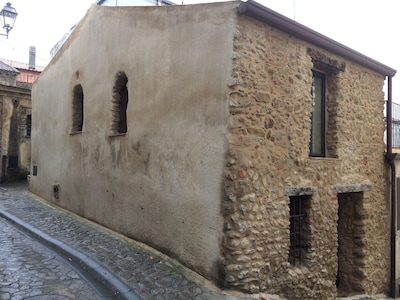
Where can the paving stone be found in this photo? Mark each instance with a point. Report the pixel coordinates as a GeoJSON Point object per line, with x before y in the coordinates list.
{"type": "Point", "coordinates": [23, 272]}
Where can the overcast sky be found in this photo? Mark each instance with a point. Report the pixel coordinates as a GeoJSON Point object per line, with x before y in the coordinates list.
{"type": "Point", "coordinates": [367, 26]}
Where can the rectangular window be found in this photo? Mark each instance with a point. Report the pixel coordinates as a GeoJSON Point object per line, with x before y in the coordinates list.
{"type": "Point", "coordinates": [28, 125]}
{"type": "Point", "coordinates": [317, 142]}
{"type": "Point", "coordinates": [300, 231]}
{"type": "Point", "coordinates": [13, 162]}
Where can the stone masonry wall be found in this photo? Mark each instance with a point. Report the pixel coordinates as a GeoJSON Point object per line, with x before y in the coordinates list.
{"type": "Point", "coordinates": [14, 142]}
{"type": "Point", "coordinates": [268, 161]}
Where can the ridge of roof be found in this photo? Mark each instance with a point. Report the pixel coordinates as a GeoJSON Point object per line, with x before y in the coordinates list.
{"type": "Point", "coordinates": [266, 15]}
{"type": "Point", "coordinates": [8, 68]}
{"type": "Point", "coordinates": [21, 65]}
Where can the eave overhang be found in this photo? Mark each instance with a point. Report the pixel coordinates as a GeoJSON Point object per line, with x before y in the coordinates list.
{"type": "Point", "coordinates": [270, 17]}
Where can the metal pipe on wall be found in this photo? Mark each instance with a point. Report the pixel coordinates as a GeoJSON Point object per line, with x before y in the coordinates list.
{"type": "Point", "coordinates": [390, 156]}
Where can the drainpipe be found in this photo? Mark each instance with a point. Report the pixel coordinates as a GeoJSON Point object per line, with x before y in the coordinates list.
{"type": "Point", "coordinates": [3, 168]}
{"type": "Point", "coordinates": [390, 156]}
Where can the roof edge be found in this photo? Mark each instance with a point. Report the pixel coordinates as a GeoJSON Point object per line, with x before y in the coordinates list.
{"type": "Point", "coordinates": [6, 66]}
{"type": "Point", "coordinates": [257, 11]}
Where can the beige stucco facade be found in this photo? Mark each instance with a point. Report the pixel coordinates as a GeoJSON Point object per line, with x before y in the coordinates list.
{"type": "Point", "coordinates": [15, 141]}
{"type": "Point", "coordinates": [161, 182]}
{"type": "Point", "coordinates": [217, 143]}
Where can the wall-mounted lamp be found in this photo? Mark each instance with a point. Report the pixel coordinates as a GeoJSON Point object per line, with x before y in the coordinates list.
{"type": "Point", "coordinates": [8, 15]}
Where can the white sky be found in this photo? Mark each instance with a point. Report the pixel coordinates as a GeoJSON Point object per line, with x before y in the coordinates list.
{"type": "Point", "coordinates": [367, 26]}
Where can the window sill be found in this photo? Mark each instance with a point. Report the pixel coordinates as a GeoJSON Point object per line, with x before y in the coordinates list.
{"type": "Point", "coordinates": [75, 132]}
{"type": "Point", "coordinates": [324, 158]}
{"type": "Point", "coordinates": [300, 269]}
{"type": "Point", "coordinates": [115, 134]}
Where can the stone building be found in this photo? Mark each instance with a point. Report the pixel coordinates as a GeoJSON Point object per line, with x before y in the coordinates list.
{"type": "Point", "coordinates": [241, 143]}
{"type": "Point", "coordinates": [15, 124]}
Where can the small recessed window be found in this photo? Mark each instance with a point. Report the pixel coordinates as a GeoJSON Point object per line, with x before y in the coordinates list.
{"type": "Point", "coordinates": [28, 125]}
{"type": "Point", "coordinates": [77, 109]}
{"type": "Point", "coordinates": [300, 231]}
{"type": "Point", "coordinates": [119, 104]}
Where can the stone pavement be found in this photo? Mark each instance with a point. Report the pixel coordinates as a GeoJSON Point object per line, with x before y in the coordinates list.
{"type": "Point", "coordinates": [83, 260]}
{"type": "Point", "coordinates": [30, 269]}
{"type": "Point", "coordinates": [114, 266]}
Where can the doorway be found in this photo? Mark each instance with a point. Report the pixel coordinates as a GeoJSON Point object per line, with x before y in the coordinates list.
{"type": "Point", "coordinates": [351, 244]}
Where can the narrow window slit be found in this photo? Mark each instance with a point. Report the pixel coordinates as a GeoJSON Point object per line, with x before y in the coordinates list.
{"type": "Point", "coordinates": [77, 109]}
{"type": "Point", "coordinates": [119, 105]}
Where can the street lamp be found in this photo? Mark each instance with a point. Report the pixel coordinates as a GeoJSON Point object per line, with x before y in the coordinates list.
{"type": "Point", "coordinates": [7, 17]}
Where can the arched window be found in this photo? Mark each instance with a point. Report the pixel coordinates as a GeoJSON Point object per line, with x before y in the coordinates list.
{"type": "Point", "coordinates": [119, 104]}
{"type": "Point", "coordinates": [77, 109]}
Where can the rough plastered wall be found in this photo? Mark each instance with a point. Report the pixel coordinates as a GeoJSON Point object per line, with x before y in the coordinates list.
{"type": "Point", "coordinates": [159, 183]}
{"type": "Point", "coordinates": [268, 162]}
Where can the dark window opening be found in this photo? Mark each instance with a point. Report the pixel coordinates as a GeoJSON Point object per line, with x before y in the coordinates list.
{"type": "Point", "coordinates": [120, 104]}
{"type": "Point", "coordinates": [77, 109]}
{"type": "Point", "coordinates": [317, 142]}
{"type": "Point", "coordinates": [13, 162]}
{"type": "Point", "coordinates": [300, 232]}
{"type": "Point", "coordinates": [28, 125]}
{"type": "Point", "coordinates": [352, 244]}
{"type": "Point", "coordinates": [35, 170]}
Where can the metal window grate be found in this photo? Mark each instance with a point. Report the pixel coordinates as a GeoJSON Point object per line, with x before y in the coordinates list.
{"type": "Point", "coordinates": [298, 233]}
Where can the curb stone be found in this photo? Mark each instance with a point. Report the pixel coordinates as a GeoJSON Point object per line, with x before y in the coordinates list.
{"type": "Point", "coordinates": [102, 280]}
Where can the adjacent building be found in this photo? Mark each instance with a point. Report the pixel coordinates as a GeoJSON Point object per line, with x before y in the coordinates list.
{"type": "Point", "coordinates": [394, 160]}
{"type": "Point", "coordinates": [15, 123]}
{"type": "Point", "coordinates": [241, 143]}
{"type": "Point", "coordinates": [27, 72]}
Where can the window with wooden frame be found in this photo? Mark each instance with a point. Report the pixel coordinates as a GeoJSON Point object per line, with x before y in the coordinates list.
{"type": "Point", "coordinates": [326, 83]}
{"type": "Point", "coordinates": [317, 142]}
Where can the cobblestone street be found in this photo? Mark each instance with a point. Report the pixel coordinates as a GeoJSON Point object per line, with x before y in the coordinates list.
{"type": "Point", "coordinates": [130, 269]}
{"type": "Point", "coordinates": [30, 269]}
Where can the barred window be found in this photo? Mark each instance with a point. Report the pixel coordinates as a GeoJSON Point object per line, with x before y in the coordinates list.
{"type": "Point", "coordinates": [28, 125]}
{"type": "Point", "coordinates": [300, 232]}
